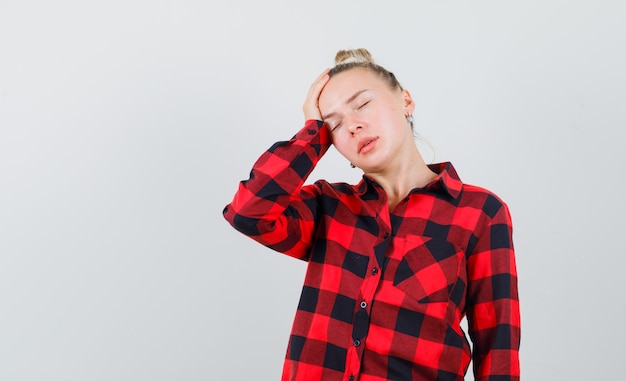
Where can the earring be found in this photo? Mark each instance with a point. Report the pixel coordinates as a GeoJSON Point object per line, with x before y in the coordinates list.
{"type": "Point", "coordinates": [352, 165]}
{"type": "Point", "coordinates": [409, 118]}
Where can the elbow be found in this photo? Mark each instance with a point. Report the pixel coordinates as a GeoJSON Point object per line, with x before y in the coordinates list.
{"type": "Point", "coordinates": [246, 225]}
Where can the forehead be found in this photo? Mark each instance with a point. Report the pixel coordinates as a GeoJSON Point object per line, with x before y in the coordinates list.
{"type": "Point", "coordinates": [345, 84]}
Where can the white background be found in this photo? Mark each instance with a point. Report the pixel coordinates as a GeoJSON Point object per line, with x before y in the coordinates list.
{"type": "Point", "coordinates": [126, 125]}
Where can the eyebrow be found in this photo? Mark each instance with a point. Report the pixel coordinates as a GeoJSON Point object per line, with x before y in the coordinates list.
{"type": "Point", "coordinates": [348, 101]}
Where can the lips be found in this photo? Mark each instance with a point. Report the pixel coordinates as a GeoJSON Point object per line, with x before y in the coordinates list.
{"type": "Point", "coordinates": [365, 144]}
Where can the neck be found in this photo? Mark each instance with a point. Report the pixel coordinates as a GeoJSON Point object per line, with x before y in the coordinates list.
{"type": "Point", "coordinates": [400, 178]}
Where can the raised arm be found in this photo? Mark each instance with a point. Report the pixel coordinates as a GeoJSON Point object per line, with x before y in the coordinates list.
{"type": "Point", "coordinates": [273, 206]}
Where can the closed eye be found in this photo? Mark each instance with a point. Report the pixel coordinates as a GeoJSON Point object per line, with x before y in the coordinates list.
{"type": "Point", "coordinates": [363, 105]}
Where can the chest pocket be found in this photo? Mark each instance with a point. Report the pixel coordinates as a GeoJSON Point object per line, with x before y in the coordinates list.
{"type": "Point", "coordinates": [428, 269]}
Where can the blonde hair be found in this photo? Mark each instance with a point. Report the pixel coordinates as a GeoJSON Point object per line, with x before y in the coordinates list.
{"type": "Point", "coordinates": [349, 59]}
{"type": "Point", "coordinates": [354, 55]}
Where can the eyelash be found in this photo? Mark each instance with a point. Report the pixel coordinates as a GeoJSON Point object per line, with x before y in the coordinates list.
{"type": "Point", "coordinates": [358, 108]}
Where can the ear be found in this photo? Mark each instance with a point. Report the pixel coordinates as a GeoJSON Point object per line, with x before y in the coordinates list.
{"type": "Point", "coordinates": [409, 105]}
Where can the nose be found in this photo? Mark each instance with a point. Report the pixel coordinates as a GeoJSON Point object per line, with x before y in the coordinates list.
{"type": "Point", "coordinates": [353, 126]}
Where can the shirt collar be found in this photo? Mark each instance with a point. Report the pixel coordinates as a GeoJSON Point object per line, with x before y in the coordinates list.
{"type": "Point", "coordinates": [447, 181]}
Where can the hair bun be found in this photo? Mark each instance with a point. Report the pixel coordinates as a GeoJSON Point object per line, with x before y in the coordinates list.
{"type": "Point", "coordinates": [353, 56]}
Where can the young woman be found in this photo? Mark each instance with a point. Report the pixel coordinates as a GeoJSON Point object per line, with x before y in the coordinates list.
{"type": "Point", "coordinates": [394, 262]}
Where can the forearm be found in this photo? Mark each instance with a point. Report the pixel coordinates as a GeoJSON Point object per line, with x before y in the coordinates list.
{"type": "Point", "coordinates": [271, 206]}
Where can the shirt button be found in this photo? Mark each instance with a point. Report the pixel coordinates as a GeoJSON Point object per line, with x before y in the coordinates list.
{"type": "Point", "coordinates": [374, 271]}
{"type": "Point", "coordinates": [357, 343]}
{"type": "Point", "coordinates": [312, 132]}
{"type": "Point", "coordinates": [386, 235]}
{"type": "Point", "coordinates": [351, 378]}
{"type": "Point", "coordinates": [363, 304]}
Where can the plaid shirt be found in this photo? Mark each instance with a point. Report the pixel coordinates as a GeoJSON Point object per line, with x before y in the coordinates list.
{"type": "Point", "coordinates": [385, 292]}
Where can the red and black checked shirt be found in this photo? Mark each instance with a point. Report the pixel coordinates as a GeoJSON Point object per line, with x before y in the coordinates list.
{"type": "Point", "coordinates": [385, 292]}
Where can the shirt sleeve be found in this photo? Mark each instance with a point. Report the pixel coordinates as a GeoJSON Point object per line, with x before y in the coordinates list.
{"type": "Point", "coordinates": [273, 206]}
{"type": "Point", "coordinates": [493, 304]}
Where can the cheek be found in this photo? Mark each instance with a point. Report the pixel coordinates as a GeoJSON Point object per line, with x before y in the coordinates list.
{"type": "Point", "coordinates": [340, 142]}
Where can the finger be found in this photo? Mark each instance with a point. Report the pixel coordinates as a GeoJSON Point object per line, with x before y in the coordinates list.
{"type": "Point", "coordinates": [321, 81]}
{"type": "Point", "coordinates": [318, 85]}
{"type": "Point", "coordinates": [311, 106]}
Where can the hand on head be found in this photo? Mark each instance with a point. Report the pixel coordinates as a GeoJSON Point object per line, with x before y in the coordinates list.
{"type": "Point", "coordinates": [311, 107]}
